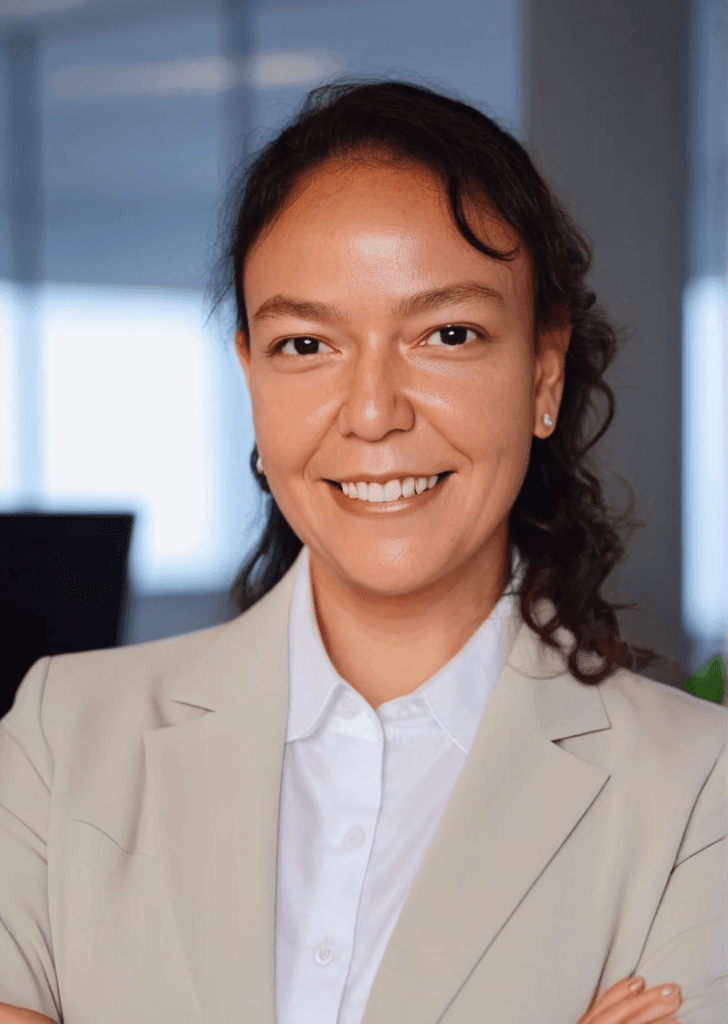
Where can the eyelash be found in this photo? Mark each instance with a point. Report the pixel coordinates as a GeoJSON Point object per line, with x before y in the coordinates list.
{"type": "Point", "coordinates": [284, 341]}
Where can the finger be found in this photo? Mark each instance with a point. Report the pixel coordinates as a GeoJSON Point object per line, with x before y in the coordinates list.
{"type": "Point", "coordinates": [620, 991]}
{"type": "Point", "coordinates": [647, 1007]}
{"type": "Point", "coordinates": [20, 1015]}
{"type": "Point", "coordinates": [614, 995]}
{"type": "Point", "coordinates": [664, 1020]}
{"type": "Point", "coordinates": [656, 1004]}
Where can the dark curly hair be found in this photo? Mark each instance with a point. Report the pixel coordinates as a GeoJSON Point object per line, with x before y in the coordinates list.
{"type": "Point", "coordinates": [560, 522]}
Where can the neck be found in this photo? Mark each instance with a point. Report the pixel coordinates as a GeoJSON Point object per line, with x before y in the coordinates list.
{"type": "Point", "coordinates": [386, 646]}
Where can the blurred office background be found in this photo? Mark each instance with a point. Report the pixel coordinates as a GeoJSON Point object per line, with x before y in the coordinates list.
{"type": "Point", "coordinates": [121, 121]}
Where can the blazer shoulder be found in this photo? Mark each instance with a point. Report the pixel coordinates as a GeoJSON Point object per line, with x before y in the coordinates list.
{"type": "Point", "coordinates": [118, 687]}
{"type": "Point", "coordinates": [667, 715]}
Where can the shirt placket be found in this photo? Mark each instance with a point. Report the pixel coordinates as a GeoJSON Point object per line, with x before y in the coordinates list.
{"type": "Point", "coordinates": [354, 742]}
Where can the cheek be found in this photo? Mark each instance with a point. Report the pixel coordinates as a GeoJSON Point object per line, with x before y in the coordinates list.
{"type": "Point", "coordinates": [489, 412]}
{"type": "Point", "coordinates": [290, 415]}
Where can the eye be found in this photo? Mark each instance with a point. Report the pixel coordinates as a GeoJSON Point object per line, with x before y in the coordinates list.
{"type": "Point", "coordinates": [453, 335]}
{"type": "Point", "coordinates": [302, 346]}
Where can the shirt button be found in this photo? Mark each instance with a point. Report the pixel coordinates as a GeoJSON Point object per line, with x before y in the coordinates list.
{"type": "Point", "coordinates": [347, 707]}
{"type": "Point", "coordinates": [354, 837]}
{"type": "Point", "coordinates": [405, 710]}
{"type": "Point", "coordinates": [325, 953]}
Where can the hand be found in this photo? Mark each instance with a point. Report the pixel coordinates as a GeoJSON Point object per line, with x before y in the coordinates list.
{"type": "Point", "coordinates": [622, 1005]}
{"type": "Point", "coordinates": [17, 1015]}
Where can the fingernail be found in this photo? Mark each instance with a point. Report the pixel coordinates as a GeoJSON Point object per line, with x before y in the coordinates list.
{"type": "Point", "coordinates": [635, 985]}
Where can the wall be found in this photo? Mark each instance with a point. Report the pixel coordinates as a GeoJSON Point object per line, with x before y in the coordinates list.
{"type": "Point", "coordinates": [607, 127]}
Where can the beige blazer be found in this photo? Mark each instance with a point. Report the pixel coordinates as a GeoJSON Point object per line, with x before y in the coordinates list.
{"type": "Point", "coordinates": [584, 840]}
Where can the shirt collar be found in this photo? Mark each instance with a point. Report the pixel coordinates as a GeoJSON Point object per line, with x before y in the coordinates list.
{"type": "Point", "coordinates": [456, 695]}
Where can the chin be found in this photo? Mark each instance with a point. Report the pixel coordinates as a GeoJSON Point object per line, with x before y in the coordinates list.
{"type": "Point", "coordinates": [389, 572]}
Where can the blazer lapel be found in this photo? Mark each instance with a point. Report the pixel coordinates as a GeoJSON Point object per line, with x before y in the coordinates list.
{"type": "Point", "coordinates": [515, 803]}
{"type": "Point", "coordinates": [215, 784]}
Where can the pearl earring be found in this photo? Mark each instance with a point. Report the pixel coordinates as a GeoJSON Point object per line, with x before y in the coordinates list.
{"type": "Point", "coordinates": [259, 464]}
{"type": "Point", "coordinates": [547, 420]}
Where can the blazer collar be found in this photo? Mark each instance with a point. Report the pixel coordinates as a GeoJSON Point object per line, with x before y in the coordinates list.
{"type": "Point", "coordinates": [231, 656]}
{"type": "Point", "coordinates": [215, 781]}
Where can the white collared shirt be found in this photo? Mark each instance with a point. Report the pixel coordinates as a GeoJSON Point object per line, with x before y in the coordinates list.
{"type": "Point", "coordinates": [363, 792]}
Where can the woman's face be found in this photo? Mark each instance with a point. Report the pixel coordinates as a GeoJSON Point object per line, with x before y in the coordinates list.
{"type": "Point", "coordinates": [353, 294]}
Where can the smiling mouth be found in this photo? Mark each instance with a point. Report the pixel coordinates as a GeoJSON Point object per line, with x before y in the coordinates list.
{"type": "Point", "coordinates": [381, 500]}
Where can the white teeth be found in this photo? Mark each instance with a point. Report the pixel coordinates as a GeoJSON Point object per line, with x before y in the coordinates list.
{"type": "Point", "coordinates": [391, 491]}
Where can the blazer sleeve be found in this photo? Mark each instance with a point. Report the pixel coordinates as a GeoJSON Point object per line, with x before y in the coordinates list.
{"type": "Point", "coordinates": [27, 971]}
{"type": "Point", "coordinates": [688, 940]}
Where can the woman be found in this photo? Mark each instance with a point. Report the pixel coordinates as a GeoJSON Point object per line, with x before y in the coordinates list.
{"type": "Point", "coordinates": [485, 815]}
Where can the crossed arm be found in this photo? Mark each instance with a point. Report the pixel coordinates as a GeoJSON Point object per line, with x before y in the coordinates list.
{"type": "Point", "coordinates": [620, 1004]}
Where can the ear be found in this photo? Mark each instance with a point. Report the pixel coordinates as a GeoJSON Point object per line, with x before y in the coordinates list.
{"type": "Point", "coordinates": [242, 349]}
{"type": "Point", "coordinates": [552, 345]}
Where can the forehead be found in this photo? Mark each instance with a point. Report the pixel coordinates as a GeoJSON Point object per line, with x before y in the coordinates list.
{"type": "Point", "coordinates": [381, 214]}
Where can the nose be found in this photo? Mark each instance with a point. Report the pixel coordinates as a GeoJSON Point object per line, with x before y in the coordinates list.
{"type": "Point", "coordinates": [375, 400]}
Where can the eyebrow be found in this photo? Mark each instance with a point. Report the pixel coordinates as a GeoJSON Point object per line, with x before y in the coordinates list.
{"type": "Point", "coordinates": [422, 302]}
